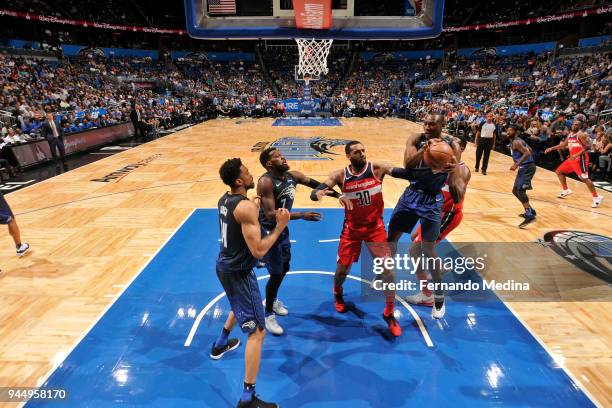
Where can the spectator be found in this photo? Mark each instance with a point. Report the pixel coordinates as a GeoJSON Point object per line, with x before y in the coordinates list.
{"type": "Point", "coordinates": [54, 133]}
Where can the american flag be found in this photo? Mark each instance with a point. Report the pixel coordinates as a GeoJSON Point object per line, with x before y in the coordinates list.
{"type": "Point", "coordinates": [221, 6]}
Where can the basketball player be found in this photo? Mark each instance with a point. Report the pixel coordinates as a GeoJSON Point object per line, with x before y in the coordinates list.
{"type": "Point", "coordinates": [7, 218]}
{"type": "Point", "coordinates": [422, 200]}
{"type": "Point", "coordinates": [452, 213]}
{"type": "Point", "coordinates": [241, 246]}
{"type": "Point", "coordinates": [277, 190]}
{"type": "Point", "coordinates": [523, 161]}
{"type": "Point", "coordinates": [361, 185]}
{"type": "Point", "coordinates": [578, 162]}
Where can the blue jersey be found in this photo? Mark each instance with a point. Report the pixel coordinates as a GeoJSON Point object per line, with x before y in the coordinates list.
{"type": "Point", "coordinates": [516, 155]}
{"type": "Point", "coordinates": [425, 179]}
{"type": "Point", "coordinates": [234, 254]}
{"type": "Point", "coordinates": [284, 194]}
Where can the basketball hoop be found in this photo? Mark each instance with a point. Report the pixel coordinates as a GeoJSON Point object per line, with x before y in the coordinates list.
{"type": "Point", "coordinates": [313, 57]}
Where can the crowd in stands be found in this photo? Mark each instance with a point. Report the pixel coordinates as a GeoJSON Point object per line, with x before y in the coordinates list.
{"type": "Point", "coordinates": [281, 62]}
{"type": "Point", "coordinates": [540, 98]}
{"type": "Point", "coordinates": [531, 91]}
{"type": "Point", "coordinates": [375, 87]}
{"type": "Point", "coordinates": [237, 88]}
{"type": "Point", "coordinates": [89, 93]}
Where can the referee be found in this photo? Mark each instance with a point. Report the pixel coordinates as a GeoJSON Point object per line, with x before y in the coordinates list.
{"type": "Point", "coordinates": [485, 141]}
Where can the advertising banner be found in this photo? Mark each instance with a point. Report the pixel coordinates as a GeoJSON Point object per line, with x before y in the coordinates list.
{"type": "Point", "coordinates": [31, 153]}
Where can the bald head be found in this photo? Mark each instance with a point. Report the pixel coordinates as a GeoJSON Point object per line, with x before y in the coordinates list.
{"type": "Point", "coordinates": [433, 124]}
{"type": "Point", "coordinates": [436, 117]}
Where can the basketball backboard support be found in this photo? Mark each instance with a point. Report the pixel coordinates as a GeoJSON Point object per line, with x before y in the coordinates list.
{"type": "Point", "coordinates": [280, 23]}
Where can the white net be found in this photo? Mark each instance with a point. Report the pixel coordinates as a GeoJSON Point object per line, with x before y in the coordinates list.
{"type": "Point", "coordinates": [313, 57]}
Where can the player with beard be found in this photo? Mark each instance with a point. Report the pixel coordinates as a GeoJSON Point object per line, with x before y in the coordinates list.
{"type": "Point", "coordinates": [241, 246]}
{"type": "Point", "coordinates": [276, 188]}
{"type": "Point", "coordinates": [361, 184]}
{"type": "Point", "coordinates": [422, 200]}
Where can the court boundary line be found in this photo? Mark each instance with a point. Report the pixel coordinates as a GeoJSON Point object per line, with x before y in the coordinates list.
{"type": "Point", "coordinates": [566, 370]}
{"type": "Point", "coordinates": [543, 345]}
{"type": "Point", "coordinates": [46, 377]}
{"type": "Point", "coordinates": [415, 316]}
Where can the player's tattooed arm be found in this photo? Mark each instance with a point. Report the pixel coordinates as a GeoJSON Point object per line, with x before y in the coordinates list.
{"type": "Point", "coordinates": [265, 191]}
{"type": "Point", "coordinates": [310, 182]}
{"type": "Point", "coordinates": [413, 155]}
{"type": "Point", "coordinates": [247, 215]}
{"type": "Point", "coordinates": [334, 179]}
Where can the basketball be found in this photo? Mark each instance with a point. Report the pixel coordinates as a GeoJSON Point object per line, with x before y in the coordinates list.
{"type": "Point", "coordinates": [438, 155]}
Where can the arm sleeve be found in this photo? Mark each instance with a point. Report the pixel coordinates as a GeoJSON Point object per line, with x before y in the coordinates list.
{"type": "Point", "coordinates": [314, 184]}
{"type": "Point", "coordinates": [406, 174]}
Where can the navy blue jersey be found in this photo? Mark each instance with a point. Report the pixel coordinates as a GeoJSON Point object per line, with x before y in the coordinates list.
{"type": "Point", "coordinates": [425, 179]}
{"type": "Point", "coordinates": [283, 190]}
{"type": "Point", "coordinates": [516, 155]}
{"type": "Point", "coordinates": [234, 254]}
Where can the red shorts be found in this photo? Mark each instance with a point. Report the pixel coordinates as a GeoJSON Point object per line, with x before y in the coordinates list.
{"type": "Point", "coordinates": [352, 237]}
{"type": "Point", "coordinates": [450, 221]}
{"type": "Point", "coordinates": [580, 166]}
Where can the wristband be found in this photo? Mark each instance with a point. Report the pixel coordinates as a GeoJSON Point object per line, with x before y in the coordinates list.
{"type": "Point", "coordinates": [313, 193]}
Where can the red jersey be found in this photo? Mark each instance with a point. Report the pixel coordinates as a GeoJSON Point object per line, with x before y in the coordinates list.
{"type": "Point", "coordinates": [574, 144]}
{"type": "Point", "coordinates": [365, 192]}
{"type": "Point", "coordinates": [449, 205]}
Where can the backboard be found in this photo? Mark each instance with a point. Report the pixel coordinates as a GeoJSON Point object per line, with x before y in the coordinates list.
{"type": "Point", "coordinates": [351, 20]}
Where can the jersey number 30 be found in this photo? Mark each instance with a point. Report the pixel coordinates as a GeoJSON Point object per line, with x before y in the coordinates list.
{"type": "Point", "coordinates": [363, 198]}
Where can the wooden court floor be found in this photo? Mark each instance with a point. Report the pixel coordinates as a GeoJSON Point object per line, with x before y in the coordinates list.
{"type": "Point", "coordinates": [90, 238]}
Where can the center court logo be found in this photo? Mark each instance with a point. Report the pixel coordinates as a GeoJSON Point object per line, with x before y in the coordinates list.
{"type": "Point", "coordinates": [590, 252]}
{"type": "Point", "coordinates": [296, 148]}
